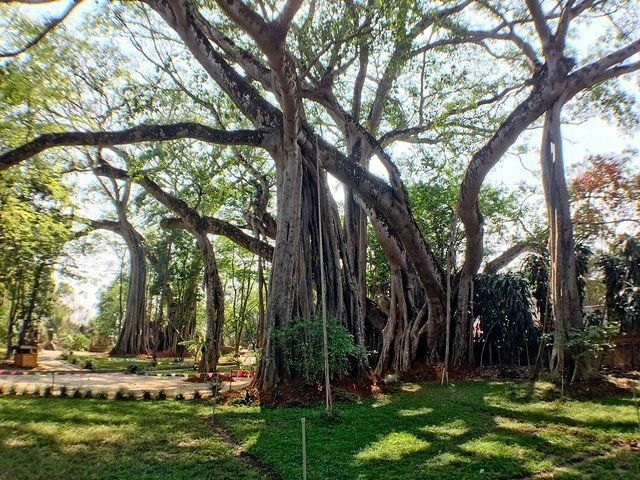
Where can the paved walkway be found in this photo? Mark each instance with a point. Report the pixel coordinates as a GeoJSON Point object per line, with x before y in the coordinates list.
{"type": "Point", "coordinates": [110, 382]}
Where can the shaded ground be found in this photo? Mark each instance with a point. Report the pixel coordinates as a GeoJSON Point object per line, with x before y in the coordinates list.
{"type": "Point", "coordinates": [57, 439]}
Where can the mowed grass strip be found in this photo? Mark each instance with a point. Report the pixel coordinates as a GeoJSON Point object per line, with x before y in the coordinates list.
{"type": "Point", "coordinates": [55, 438]}
{"type": "Point", "coordinates": [471, 430]}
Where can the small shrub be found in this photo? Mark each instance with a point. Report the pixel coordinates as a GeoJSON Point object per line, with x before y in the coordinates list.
{"type": "Point", "coordinates": [591, 341]}
{"type": "Point", "coordinates": [133, 368]}
{"type": "Point", "coordinates": [88, 393]}
{"type": "Point", "coordinates": [301, 342]}
{"type": "Point", "coordinates": [64, 391]}
{"type": "Point", "coordinates": [146, 395]}
{"type": "Point", "coordinates": [12, 390]}
{"type": "Point", "coordinates": [88, 365]}
{"type": "Point", "coordinates": [391, 379]}
{"type": "Point", "coordinates": [75, 342]}
{"type": "Point", "coordinates": [162, 395]}
{"type": "Point", "coordinates": [103, 395]}
{"type": "Point", "coordinates": [1, 389]}
{"type": "Point", "coordinates": [122, 394]}
{"type": "Point", "coordinates": [48, 391]}
{"type": "Point", "coordinates": [77, 393]}
{"type": "Point", "coordinates": [215, 388]}
{"type": "Point", "coordinates": [36, 392]}
{"type": "Point", "coordinates": [180, 397]}
{"type": "Point", "coordinates": [74, 361]}
{"type": "Point", "coordinates": [197, 395]}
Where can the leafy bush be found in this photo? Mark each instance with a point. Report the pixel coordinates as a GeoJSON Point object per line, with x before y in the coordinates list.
{"type": "Point", "coordinates": [133, 368]}
{"type": "Point", "coordinates": [88, 393]}
{"type": "Point", "coordinates": [301, 343]}
{"type": "Point", "coordinates": [48, 392]}
{"type": "Point", "coordinates": [146, 395]}
{"type": "Point", "coordinates": [591, 341]}
{"type": "Point", "coordinates": [64, 391]}
{"type": "Point", "coordinates": [77, 393]}
{"type": "Point", "coordinates": [103, 395]}
{"type": "Point", "coordinates": [12, 390]}
{"type": "Point", "coordinates": [162, 395]}
{"type": "Point", "coordinates": [73, 342]}
{"type": "Point", "coordinates": [180, 397]}
{"type": "Point", "coordinates": [123, 394]}
{"type": "Point", "coordinates": [197, 395]}
{"type": "Point", "coordinates": [88, 365]}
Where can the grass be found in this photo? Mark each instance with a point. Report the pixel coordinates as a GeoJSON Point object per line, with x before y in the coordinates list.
{"type": "Point", "coordinates": [473, 430]}
{"type": "Point", "coordinates": [44, 438]}
{"type": "Point", "coordinates": [121, 364]}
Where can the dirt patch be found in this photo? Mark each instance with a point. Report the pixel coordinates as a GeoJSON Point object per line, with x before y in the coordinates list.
{"type": "Point", "coordinates": [298, 394]}
{"type": "Point", "coordinates": [432, 372]}
{"type": "Point", "coordinates": [599, 386]}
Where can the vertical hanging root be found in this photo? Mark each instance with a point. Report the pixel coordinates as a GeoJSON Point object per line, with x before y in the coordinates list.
{"type": "Point", "coordinates": [323, 298]}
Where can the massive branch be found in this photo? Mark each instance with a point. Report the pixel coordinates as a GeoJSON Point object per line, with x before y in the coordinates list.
{"type": "Point", "coordinates": [141, 133]}
{"type": "Point", "coordinates": [215, 226]}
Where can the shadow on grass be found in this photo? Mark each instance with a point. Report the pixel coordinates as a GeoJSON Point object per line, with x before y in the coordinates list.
{"type": "Point", "coordinates": [474, 430]}
{"type": "Point", "coordinates": [89, 439]}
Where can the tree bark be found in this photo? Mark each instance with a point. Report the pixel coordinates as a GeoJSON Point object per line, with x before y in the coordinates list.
{"type": "Point", "coordinates": [133, 338]}
{"type": "Point", "coordinates": [214, 299]}
{"type": "Point", "coordinates": [565, 298]}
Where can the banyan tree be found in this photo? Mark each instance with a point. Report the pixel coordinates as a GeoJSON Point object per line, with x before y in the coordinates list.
{"type": "Point", "coordinates": [329, 89]}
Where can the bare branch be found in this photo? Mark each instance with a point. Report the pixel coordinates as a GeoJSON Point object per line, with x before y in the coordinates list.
{"type": "Point", "coordinates": [505, 258]}
{"type": "Point", "coordinates": [215, 226]}
{"type": "Point", "coordinates": [48, 28]}
{"type": "Point", "coordinates": [286, 15]}
{"type": "Point", "coordinates": [540, 21]}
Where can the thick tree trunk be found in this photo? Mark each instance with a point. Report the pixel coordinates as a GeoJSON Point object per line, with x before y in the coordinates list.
{"type": "Point", "coordinates": [284, 269]}
{"type": "Point", "coordinates": [133, 338]}
{"type": "Point", "coordinates": [214, 305]}
{"type": "Point", "coordinates": [28, 332]}
{"type": "Point", "coordinates": [565, 298]}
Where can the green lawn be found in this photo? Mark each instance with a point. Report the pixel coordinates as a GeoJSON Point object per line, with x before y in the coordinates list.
{"type": "Point", "coordinates": [473, 430]}
{"type": "Point", "coordinates": [55, 439]}
{"type": "Point", "coordinates": [121, 364]}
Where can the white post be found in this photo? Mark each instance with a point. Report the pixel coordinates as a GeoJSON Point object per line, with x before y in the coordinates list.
{"type": "Point", "coordinates": [304, 448]}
